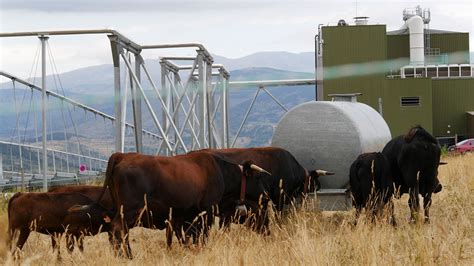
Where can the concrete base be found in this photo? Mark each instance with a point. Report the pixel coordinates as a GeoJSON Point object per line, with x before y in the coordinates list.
{"type": "Point", "coordinates": [334, 200]}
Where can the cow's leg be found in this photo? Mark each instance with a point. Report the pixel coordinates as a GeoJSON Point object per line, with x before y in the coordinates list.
{"type": "Point", "coordinates": [22, 237]}
{"type": "Point", "coordinates": [391, 208]}
{"type": "Point", "coordinates": [169, 234]}
{"type": "Point", "coordinates": [180, 235]}
{"type": "Point", "coordinates": [120, 239]}
{"type": "Point", "coordinates": [414, 203]}
{"type": "Point", "coordinates": [357, 214]}
{"type": "Point", "coordinates": [208, 224]}
{"type": "Point", "coordinates": [80, 243]}
{"type": "Point", "coordinates": [111, 238]}
{"type": "Point", "coordinates": [426, 207]}
{"type": "Point", "coordinates": [70, 243]}
{"type": "Point", "coordinates": [225, 221]}
{"type": "Point", "coordinates": [56, 244]}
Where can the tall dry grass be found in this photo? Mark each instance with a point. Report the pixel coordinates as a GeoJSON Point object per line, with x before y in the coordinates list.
{"type": "Point", "coordinates": [305, 237]}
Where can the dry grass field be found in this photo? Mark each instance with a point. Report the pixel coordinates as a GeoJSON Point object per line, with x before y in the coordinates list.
{"type": "Point", "coordinates": [305, 238]}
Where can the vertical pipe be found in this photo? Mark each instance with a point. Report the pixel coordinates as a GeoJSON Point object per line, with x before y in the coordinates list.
{"type": "Point", "coordinates": [137, 107]}
{"type": "Point", "coordinates": [164, 93]}
{"type": "Point", "coordinates": [319, 66]}
{"type": "Point", "coordinates": [380, 107]}
{"type": "Point", "coordinates": [226, 111]}
{"type": "Point", "coordinates": [124, 101]}
{"type": "Point", "coordinates": [223, 78]}
{"type": "Point", "coordinates": [208, 96]}
{"type": "Point", "coordinates": [115, 47]}
{"type": "Point", "coordinates": [202, 96]}
{"type": "Point", "coordinates": [316, 37]}
{"type": "Point", "coordinates": [43, 108]}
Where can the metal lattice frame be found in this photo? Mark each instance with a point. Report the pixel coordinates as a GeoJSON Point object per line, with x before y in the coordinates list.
{"type": "Point", "coordinates": [198, 108]}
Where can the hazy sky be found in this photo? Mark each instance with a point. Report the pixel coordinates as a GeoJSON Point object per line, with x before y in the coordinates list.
{"type": "Point", "coordinates": [231, 28]}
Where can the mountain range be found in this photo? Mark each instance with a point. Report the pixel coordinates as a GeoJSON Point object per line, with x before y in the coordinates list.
{"type": "Point", "coordinates": [94, 86]}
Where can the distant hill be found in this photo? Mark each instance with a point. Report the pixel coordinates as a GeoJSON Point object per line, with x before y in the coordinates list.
{"type": "Point", "coordinates": [265, 73]}
{"type": "Point", "coordinates": [295, 62]}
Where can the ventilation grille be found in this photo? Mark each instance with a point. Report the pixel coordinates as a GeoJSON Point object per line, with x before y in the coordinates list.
{"type": "Point", "coordinates": [410, 101]}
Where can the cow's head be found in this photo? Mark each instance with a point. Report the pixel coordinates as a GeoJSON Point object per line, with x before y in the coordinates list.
{"type": "Point", "coordinates": [255, 176]}
{"type": "Point", "coordinates": [314, 184]}
{"type": "Point", "coordinates": [252, 187]}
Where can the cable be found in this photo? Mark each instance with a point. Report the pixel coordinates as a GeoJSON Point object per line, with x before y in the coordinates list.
{"type": "Point", "coordinates": [54, 68]}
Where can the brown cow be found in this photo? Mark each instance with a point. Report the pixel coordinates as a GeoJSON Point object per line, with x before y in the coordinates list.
{"type": "Point", "coordinates": [178, 193]}
{"type": "Point", "coordinates": [48, 213]}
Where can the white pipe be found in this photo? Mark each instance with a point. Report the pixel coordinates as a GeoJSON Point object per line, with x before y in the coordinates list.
{"type": "Point", "coordinates": [417, 44]}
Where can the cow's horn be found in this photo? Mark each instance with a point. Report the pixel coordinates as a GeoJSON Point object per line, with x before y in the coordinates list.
{"type": "Point", "coordinates": [78, 208]}
{"type": "Point", "coordinates": [443, 163]}
{"type": "Point", "coordinates": [323, 172]}
{"type": "Point", "coordinates": [241, 210]}
{"type": "Point", "coordinates": [259, 169]}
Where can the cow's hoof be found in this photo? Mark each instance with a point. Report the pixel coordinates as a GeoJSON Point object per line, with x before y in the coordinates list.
{"type": "Point", "coordinates": [393, 223]}
{"type": "Point", "coordinates": [427, 220]}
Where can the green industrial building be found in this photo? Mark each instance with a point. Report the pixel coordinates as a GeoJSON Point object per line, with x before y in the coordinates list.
{"type": "Point", "coordinates": [412, 76]}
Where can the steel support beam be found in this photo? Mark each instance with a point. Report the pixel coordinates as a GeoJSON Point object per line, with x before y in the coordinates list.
{"type": "Point", "coordinates": [44, 39]}
{"type": "Point", "coordinates": [274, 83]}
{"type": "Point", "coordinates": [116, 51]}
{"type": "Point", "coordinates": [164, 91]}
{"type": "Point", "coordinates": [225, 117]}
{"type": "Point", "coordinates": [202, 96]}
{"type": "Point", "coordinates": [209, 105]}
{"type": "Point", "coordinates": [137, 107]}
{"type": "Point", "coordinates": [245, 117]}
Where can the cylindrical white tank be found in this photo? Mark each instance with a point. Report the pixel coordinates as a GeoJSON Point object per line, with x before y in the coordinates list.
{"type": "Point", "coordinates": [417, 40]}
{"type": "Point", "coordinates": [330, 136]}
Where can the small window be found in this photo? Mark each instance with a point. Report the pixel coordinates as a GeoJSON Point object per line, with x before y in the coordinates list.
{"type": "Point", "coordinates": [410, 101]}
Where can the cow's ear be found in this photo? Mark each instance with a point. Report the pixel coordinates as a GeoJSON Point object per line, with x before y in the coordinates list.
{"type": "Point", "coordinates": [442, 163]}
{"type": "Point", "coordinates": [107, 219]}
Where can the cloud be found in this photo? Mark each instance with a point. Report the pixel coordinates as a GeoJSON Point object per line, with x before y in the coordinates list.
{"type": "Point", "coordinates": [107, 6]}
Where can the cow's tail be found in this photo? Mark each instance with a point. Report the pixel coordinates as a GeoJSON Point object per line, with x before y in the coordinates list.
{"type": "Point", "coordinates": [113, 160]}
{"type": "Point", "coordinates": [9, 210]}
{"type": "Point", "coordinates": [16, 195]}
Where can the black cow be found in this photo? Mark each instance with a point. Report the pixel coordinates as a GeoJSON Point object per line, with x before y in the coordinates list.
{"type": "Point", "coordinates": [371, 185]}
{"type": "Point", "coordinates": [414, 159]}
{"type": "Point", "coordinates": [288, 180]}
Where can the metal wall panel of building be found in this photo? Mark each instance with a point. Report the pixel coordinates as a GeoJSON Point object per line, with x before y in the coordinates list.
{"type": "Point", "coordinates": [455, 45]}
{"type": "Point", "coordinates": [452, 98]}
{"type": "Point", "coordinates": [348, 55]}
{"type": "Point", "coordinates": [400, 118]}
{"type": "Point", "coordinates": [353, 44]}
